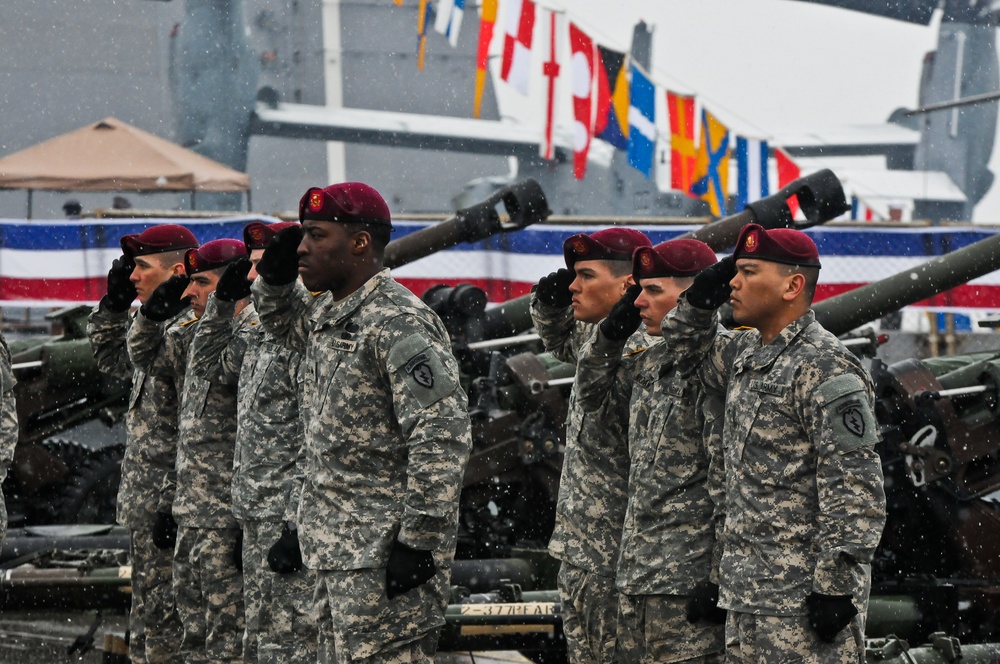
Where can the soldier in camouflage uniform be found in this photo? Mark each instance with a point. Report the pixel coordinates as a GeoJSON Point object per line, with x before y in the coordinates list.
{"type": "Point", "coordinates": [387, 429]}
{"type": "Point", "coordinates": [8, 425]}
{"type": "Point", "coordinates": [566, 307]}
{"type": "Point", "coordinates": [146, 491]}
{"type": "Point", "coordinates": [668, 535]}
{"type": "Point", "coordinates": [805, 506]}
{"type": "Point", "coordinates": [208, 583]}
{"type": "Point", "coordinates": [267, 466]}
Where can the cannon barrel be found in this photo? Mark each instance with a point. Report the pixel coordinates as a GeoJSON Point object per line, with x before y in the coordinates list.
{"type": "Point", "coordinates": [821, 198]}
{"type": "Point", "coordinates": [524, 203]}
{"type": "Point", "coordinates": [844, 312]}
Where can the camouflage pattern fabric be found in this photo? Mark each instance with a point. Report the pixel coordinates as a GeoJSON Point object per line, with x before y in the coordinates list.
{"type": "Point", "coordinates": [359, 623]}
{"type": "Point", "coordinates": [8, 424]}
{"type": "Point", "coordinates": [209, 592]}
{"type": "Point", "coordinates": [589, 607]}
{"type": "Point", "coordinates": [267, 462]}
{"type": "Point", "coordinates": [203, 500]}
{"type": "Point", "coordinates": [267, 478]}
{"type": "Point", "coordinates": [154, 626]}
{"type": "Point", "coordinates": [805, 506]}
{"type": "Point", "coordinates": [655, 630]}
{"type": "Point", "coordinates": [387, 428]}
{"type": "Point", "coordinates": [147, 481]}
{"type": "Point", "coordinates": [761, 638]}
{"type": "Point", "coordinates": [593, 489]}
{"type": "Point", "coordinates": [667, 537]}
{"type": "Point", "coordinates": [148, 467]}
{"type": "Point", "coordinates": [281, 625]}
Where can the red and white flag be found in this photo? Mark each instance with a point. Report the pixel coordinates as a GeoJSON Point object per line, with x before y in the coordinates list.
{"type": "Point", "coordinates": [582, 83]}
{"type": "Point", "coordinates": [788, 170]}
{"type": "Point", "coordinates": [551, 71]}
{"type": "Point", "coordinates": [519, 25]}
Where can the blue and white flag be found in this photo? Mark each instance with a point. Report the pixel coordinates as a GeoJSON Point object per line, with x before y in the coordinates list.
{"type": "Point", "coordinates": [751, 171]}
{"type": "Point", "coordinates": [449, 19]}
{"type": "Point", "coordinates": [641, 122]}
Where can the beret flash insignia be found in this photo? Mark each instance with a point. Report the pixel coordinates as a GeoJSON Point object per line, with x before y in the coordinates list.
{"type": "Point", "coordinates": [751, 243]}
{"type": "Point", "coordinates": [316, 201]}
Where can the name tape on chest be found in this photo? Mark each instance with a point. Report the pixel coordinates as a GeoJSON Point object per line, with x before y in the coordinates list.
{"type": "Point", "coordinates": [767, 387]}
{"type": "Point", "coordinates": [345, 345]}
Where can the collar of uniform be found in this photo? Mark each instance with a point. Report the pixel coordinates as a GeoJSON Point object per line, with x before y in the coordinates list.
{"type": "Point", "coordinates": [246, 313]}
{"type": "Point", "coordinates": [338, 310]}
{"type": "Point", "coordinates": [762, 357]}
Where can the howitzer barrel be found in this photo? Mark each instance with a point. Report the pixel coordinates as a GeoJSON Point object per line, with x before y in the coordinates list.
{"type": "Point", "coordinates": [843, 313]}
{"type": "Point", "coordinates": [524, 203]}
{"type": "Point", "coordinates": [820, 197]}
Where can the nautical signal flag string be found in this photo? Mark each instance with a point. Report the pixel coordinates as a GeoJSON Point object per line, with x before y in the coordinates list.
{"type": "Point", "coordinates": [614, 99]}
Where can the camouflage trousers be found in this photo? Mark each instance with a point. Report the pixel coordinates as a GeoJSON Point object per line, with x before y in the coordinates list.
{"type": "Point", "coordinates": [655, 629]}
{"type": "Point", "coordinates": [208, 590]}
{"type": "Point", "coordinates": [358, 623]}
{"type": "Point", "coordinates": [752, 638]}
{"type": "Point", "coordinates": [154, 626]}
{"type": "Point", "coordinates": [280, 625]}
{"type": "Point", "coordinates": [589, 615]}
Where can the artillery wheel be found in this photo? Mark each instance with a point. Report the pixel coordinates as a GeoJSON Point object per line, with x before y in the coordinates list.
{"type": "Point", "coordinates": [90, 493]}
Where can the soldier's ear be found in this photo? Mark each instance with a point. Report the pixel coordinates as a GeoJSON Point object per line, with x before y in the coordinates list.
{"type": "Point", "coordinates": [361, 242]}
{"type": "Point", "coordinates": [177, 269]}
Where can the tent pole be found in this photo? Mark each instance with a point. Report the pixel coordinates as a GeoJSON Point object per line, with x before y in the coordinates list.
{"type": "Point", "coordinates": [29, 203]}
{"type": "Point", "coordinates": [192, 199]}
{"type": "Point", "coordinates": [249, 206]}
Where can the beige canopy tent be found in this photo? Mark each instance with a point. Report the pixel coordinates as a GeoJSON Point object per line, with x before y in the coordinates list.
{"type": "Point", "coordinates": [112, 155]}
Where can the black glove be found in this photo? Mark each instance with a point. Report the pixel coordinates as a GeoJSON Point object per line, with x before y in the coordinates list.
{"type": "Point", "coordinates": [624, 318]}
{"type": "Point", "coordinates": [238, 551]}
{"type": "Point", "coordinates": [164, 531]}
{"type": "Point", "coordinates": [279, 265]}
{"type": "Point", "coordinates": [553, 289]}
{"type": "Point", "coordinates": [828, 614]}
{"type": "Point", "coordinates": [165, 302]}
{"type": "Point", "coordinates": [711, 289]}
{"type": "Point", "coordinates": [285, 556]}
{"type": "Point", "coordinates": [121, 290]}
{"type": "Point", "coordinates": [233, 284]}
{"type": "Point", "coordinates": [704, 604]}
{"type": "Point", "coordinates": [407, 569]}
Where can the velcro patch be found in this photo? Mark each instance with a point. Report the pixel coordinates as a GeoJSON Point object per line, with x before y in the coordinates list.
{"type": "Point", "coordinates": [422, 369]}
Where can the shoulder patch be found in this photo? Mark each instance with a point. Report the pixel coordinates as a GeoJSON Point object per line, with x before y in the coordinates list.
{"type": "Point", "coordinates": [848, 412]}
{"type": "Point", "coordinates": [422, 369]}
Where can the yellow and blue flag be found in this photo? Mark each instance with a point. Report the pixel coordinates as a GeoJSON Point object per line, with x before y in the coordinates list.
{"type": "Point", "coordinates": [711, 180]}
{"type": "Point", "coordinates": [642, 122]}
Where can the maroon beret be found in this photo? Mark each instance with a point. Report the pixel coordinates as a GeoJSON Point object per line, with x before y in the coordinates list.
{"type": "Point", "coordinates": [157, 239]}
{"type": "Point", "coordinates": [611, 244]}
{"type": "Point", "coordinates": [257, 234]}
{"type": "Point", "coordinates": [779, 245]}
{"type": "Point", "coordinates": [348, 202]}
{"type": "Point", "coordinates": [673, 258]}
{"type": "Point", "coordinates": [217, 253]}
